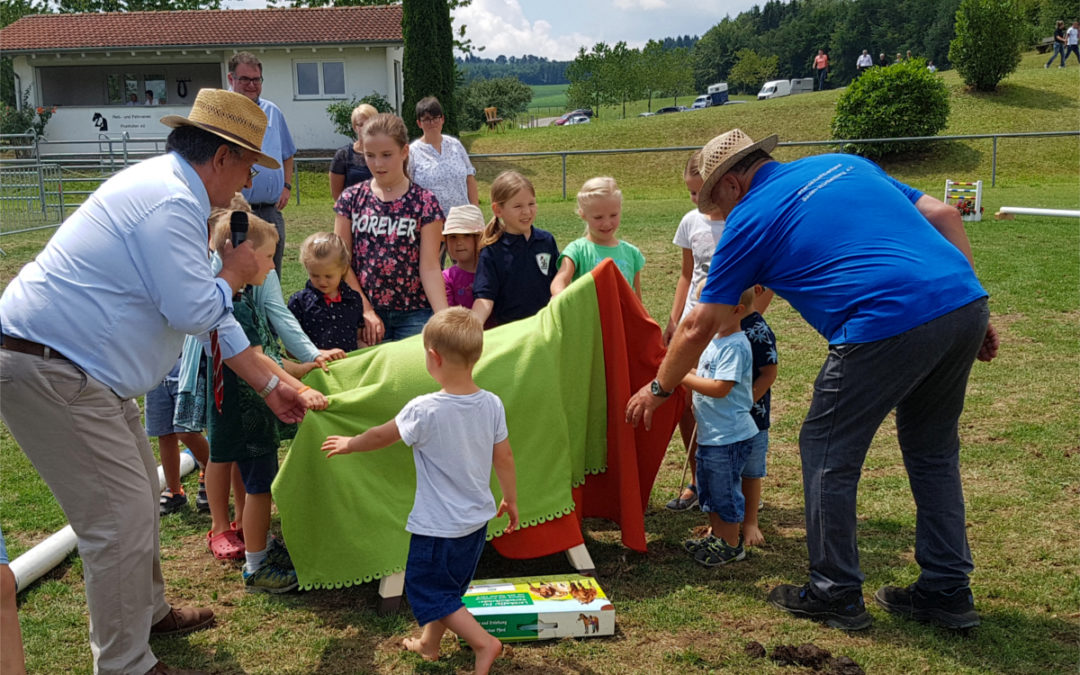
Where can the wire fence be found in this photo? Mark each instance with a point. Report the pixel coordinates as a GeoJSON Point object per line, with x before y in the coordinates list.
{"type": "Point", "coordinates": [39, 188]}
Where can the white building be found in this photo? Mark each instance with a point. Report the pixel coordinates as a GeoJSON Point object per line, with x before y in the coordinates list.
{"type": "Point", "coordinates": [89, 66]}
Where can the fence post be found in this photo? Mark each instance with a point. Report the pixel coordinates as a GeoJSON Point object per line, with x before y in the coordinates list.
{"type": "Point", "coordinates": [41, 178]}
{"type": "Point", "coordinates": [564, 176]}
{"type": "Point", "coordinates": [296, 184]}
{"type": "Point", "coordinates": [993, 165]}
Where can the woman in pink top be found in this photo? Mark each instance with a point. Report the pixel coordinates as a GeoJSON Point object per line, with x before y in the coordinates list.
{"type": "Point", "coordinates": [821, 64]}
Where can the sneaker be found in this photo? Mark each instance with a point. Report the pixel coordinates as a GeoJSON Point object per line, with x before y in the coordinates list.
{"type": "Point", "coordinates": [954, 609]}
{"type": "Point", "coordinates": [692, 546]}
{"type": "Point", "coordinates": [718, 552]}
{"type": "Point", "coordinates": [170, 503]}
{"type": "Point", "coordinates": [277, 554]}
{"type": "Point", "coordinates": [202, 504]}
{"type": "Point", "coordinates": [846, 613]}
{"type": "Point", "coordinates": [680, 504]}
{"type": "Point", "coordinates": [270, 579]}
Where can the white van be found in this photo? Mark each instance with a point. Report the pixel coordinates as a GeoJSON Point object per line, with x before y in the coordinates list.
{"type": "Point", "coordinates": [778, 88]}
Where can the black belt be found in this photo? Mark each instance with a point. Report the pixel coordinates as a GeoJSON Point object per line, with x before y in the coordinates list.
{"type": "Point", "coordinates": [264, 205]}
{"type": "Point", "coordinates": [28, 347]}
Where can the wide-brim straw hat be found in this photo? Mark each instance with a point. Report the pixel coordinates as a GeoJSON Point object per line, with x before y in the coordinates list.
{"type": "Point", "coordinates": [232, 116]}
{"type": "Point", "coordinates": [465, 219]}
{"type": "Point", "coordinates": [722, 153]}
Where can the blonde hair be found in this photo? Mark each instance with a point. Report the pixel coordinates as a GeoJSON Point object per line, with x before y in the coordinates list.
{"type": "Point", "coordinates": [324, 246]}
{"type": "Point", "coordinates": [387, 124]}
{"type": "Point", "coordinates": [601, 187]}
{"type": "Point", "coordinates": [364, 110]}
{"type": "Point", "coordinates": [693, 166]}
{"type": "Point", "coordinates": [259, 231]}
{"type": "Point", "coordinates": [456, 335]}
{"type": "Point", "coordinates": [503, 188]}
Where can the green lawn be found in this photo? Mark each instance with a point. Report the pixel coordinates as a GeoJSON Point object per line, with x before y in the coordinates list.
{"type": "Point", "coordinates": [548, 99]}
{"type": "Point", "coordinates": [1019, 458]}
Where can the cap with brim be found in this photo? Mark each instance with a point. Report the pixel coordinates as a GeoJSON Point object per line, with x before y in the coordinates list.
{"type": "Point", "coordinates": [722, 153]}
{"type": "Point", "coordinates": [232, 116]}
{"type": "Point", "coordinates": [465, 219]}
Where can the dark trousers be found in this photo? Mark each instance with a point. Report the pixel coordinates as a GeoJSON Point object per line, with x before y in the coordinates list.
{"type": "Point", "coordinates": [922, 374]}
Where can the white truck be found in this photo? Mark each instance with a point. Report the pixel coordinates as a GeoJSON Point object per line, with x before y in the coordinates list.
{"type": "Point", "coordinates": [778, 88]}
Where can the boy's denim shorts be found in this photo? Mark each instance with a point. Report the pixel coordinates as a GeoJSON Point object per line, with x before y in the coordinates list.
{"type": "Point", "coordinates": [719, 477]}
{"type": "Point", "coordinates": [438, 572]}
{"type": "Point", "coordinates": [159, 406]}
{"type": "Point", "coordinates": [258, 472]}
{"type": "Point", "coordinates": [755, 463]}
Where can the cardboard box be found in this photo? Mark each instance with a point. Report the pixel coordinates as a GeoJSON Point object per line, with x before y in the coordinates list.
{"type": "Point", "coordinates": [541, 608]}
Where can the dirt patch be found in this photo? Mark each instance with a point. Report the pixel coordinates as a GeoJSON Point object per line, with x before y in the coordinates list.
{"type": "Point", "coordinates": [809, 655]}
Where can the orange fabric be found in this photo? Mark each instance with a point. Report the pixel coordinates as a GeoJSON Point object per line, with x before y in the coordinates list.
{"type": "Point", "coordinates": [633, 349]}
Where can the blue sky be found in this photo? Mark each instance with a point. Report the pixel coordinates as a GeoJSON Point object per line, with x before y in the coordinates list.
{"type": "Point", "coordinates": [557, 28]}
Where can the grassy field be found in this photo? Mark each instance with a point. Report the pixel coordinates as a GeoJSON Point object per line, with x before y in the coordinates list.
{"type": "Point", "coordinates": [1019, 458]}
{"type": "Point", "coordinates": [548, 99]}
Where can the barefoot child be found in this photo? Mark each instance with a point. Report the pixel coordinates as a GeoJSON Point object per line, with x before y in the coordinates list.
{"type": "Point", "coordinates": [722, 401]}
{"type": "Point", "coordinates": [462, 230]}
{"type": "Point", "coordinates": [517, 260]}
{"type": "Point", "coordinates": [458, 435]}
{"type": "Point", "coordinates": [330, 312]}
{"type": "Point", "coordinates": [600, 206]}
{"type": "Point", "coordinates": [244, 431]}
{"type": "Point", "coordinates": [763, 345]}
{"type": "Point", "coordinates": [160, 406]}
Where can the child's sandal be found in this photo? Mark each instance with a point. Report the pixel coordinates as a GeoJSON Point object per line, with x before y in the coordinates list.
{"type": "Point", "coordinates": [225, 546]}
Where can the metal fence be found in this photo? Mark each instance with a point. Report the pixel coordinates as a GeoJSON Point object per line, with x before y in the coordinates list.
{"type": "Point", "coordinates": [35, 178]}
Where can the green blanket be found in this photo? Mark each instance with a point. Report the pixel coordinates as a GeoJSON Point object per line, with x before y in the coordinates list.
{"type": "Point", "coordinates": [343, 518]}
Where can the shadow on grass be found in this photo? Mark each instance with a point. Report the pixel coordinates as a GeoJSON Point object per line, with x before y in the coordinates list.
{"type": "Point", "coordinates": [1020, 96]}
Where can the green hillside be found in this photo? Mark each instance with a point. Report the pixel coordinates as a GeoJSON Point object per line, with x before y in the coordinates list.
{"type": "Point", "coordinates": [1032, 99]}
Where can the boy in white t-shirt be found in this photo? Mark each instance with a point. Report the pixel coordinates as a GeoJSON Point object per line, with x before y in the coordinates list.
{"type": "Point", "coordinates": [458, 434]}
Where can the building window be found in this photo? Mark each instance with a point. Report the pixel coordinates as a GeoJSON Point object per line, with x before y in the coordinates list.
{"type": "Point", "coordinates": [320, 79]}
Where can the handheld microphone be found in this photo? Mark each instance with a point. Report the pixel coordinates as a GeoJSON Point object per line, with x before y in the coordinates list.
{"type": "Point", "coordinates": [238, 225]}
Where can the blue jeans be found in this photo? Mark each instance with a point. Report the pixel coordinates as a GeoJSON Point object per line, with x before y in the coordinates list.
{"type": "Point", "coordinates": [759, 450]}
{"type": "Point", "coordinates": [1059, 50]}
{"type": "Point", "coordinates": [922, 374]}
{"type": "Point", "coordinates": [398, 325]}
{"type": "Point", "coordinates": [1070, 49]}
{"type": "Point", "coordinates": [719, 479]}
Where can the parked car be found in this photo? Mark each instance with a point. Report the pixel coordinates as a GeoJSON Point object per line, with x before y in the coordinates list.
{"type": "Point", "coordinates": [646, 114]}
{"type": "Point", "coordinates": [577, 119]}
{"type": "Point", "coordinates": [562, 119]}
{"type": "Point", "coordinates": [671, 109]}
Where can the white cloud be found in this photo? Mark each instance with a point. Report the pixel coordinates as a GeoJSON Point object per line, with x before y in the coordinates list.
{"type": "Point", "coordinates": [647, 5]}
{"type": "Point", "coordinates": [502, 28]}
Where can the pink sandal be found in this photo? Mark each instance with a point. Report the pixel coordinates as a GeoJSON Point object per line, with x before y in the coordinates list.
{"type": "Point", "coordinates": [225, 546]}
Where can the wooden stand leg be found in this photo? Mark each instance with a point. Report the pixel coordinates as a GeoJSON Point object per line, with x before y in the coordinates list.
{"type": "Point", "coordinates": [390, 591]}
{"type": "Point", "coordinates": [581, 560]}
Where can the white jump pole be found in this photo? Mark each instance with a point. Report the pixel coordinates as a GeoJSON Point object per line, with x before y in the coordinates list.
{"type": "Point", "coordinates": [30, 566]}
{"type": "Point", "coordinates": [1006, 212]}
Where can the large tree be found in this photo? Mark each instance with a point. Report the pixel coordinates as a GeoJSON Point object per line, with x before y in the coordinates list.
{"type": "Point", "coordinates": [987, 43]}
{"type": "Point", "coordinates": [428, 64]}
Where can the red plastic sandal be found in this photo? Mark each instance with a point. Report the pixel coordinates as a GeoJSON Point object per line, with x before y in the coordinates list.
{"type": "Point", "coordinates": [225, 546]}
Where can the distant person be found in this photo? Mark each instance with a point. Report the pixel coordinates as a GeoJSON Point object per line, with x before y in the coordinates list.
{"type": "Point", "coordinates": [349, 166]}
{"type": "Point", "coordinates": [908, 57]}
{"type": "Point", "coordinates": [133, 98]}
{"type": "Point", "coordinates": [899, 58]}
{"type": "Point", "coordinates": [821, 67]}
{"type": "Point", "coordinates": [458, 436]}
{"type": "Point", "coordinates": [931, 67]}
{"type": "Point", "coordinates": [864, 62]}
{"type": "Point", "coordinates": [1059, 44]}
{"type": "Point", "coordinates": [150, 100]}
{"type": "Point", "coordinates": [882, 60]}
{"type": "Point", "coordinates": [1071, 42]}
{"type": "Point", "coordinates": [270, 188]}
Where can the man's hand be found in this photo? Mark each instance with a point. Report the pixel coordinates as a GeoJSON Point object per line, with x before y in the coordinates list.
{"type": "Point", "coordinates": [326, 356]}
{"type": "Point", "coordinates": [990, 343]}
{"type": "Point", "coordinates": [238, 265]}
{"type": "Point", "coordinates": [283, 199]}
{"type": "Point", "coordinates": [640, 407]}
{"type": "Point", "coordinates": [286, 404]}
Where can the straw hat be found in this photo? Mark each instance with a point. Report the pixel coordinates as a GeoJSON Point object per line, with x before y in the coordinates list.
{"type": "Point", "coordinates": [467, 219]}
{"type": "Point", "coordinates": [722, 153]}
{"type": "Point", "coordinates": [234, 117]}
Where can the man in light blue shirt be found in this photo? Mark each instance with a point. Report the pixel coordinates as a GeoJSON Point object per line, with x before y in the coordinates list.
{"type": "Point", "coordinates": [97, 319]}
{"type": "Point", "coordinates": [270, 188]}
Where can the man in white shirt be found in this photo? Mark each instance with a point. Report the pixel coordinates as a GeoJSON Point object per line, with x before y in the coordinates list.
{"type": "Point", "coordinates": [865, 61]}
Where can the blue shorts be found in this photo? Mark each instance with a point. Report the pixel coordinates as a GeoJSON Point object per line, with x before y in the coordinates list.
{"type": "Point", "coordinates": [755, 463]}
{"type": "Point", "coordinates": [159, 407]}
{"type": "Point", "coordinates": [3, 550]}
{"type": "Point", "coordinates": [258, 472]}
{"type": "Point", "coordinates": [719, 476]}
{"type": "Point", "coordinates": [439, 571]}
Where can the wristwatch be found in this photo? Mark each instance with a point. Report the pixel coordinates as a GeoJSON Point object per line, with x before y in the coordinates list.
{"type": "Point", "coordinates": [657, 390]}
{"type": "Point", "coordinates": [288, 185]}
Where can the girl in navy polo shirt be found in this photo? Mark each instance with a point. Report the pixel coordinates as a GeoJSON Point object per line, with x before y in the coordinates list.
{"type": "Point", "coordinates": [517, 260]}
{"type": "Point", "coordinates": [331, 313]}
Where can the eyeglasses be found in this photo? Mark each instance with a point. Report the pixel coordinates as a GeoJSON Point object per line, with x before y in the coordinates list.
{"type": "Point", "coordinates": [429, 120]}
{"type": "Point", "coordinates": [252, 173]}
{"type": "Point", "coordinates": [249, 80]}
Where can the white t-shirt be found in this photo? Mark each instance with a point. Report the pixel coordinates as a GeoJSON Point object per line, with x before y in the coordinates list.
{"type": "Point", "coordinates": [701, 235]}
{"type": "Point", "coordinates": [865, 61]}
{"type": "Point", "coordinates": [1071, 35]}
{"type": "Point", "coordinates": [452, 439]}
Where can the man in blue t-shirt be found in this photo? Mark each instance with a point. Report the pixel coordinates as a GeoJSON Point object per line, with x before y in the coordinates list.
{"type": "Point", "coordinates": [885, 274]}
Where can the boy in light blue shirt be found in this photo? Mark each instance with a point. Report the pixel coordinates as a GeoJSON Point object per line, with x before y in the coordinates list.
{"type": "Point", "coordinates": [723, 395]}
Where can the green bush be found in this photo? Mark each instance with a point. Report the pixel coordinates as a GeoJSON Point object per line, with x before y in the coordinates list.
{"type": "Point", "coordinates": [903, 99]}
{"type": "Point", "coordinates": [341, 111]}
{"type": "Point", "coordinates": [507, 94]}
{"type": "Point", "coordinates": [26, 119]}
{"type": "Point", "coordinates": [987, 43]}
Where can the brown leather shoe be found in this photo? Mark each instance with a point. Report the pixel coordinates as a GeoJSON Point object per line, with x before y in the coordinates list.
{"type": "Point", "coordinates": [183, 620]}
{"type": "Point", "coordinates": [162, 669]}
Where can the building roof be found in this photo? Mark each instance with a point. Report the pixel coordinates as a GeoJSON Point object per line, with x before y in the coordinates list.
{"type": "Point", "coordinates": [242, 28]}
